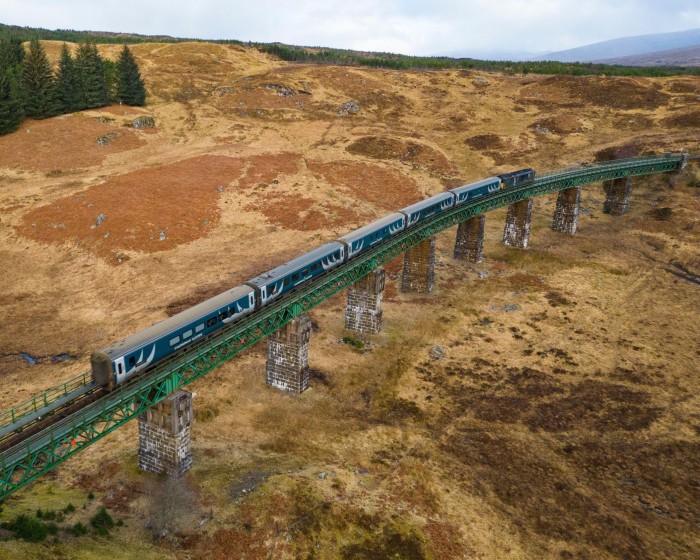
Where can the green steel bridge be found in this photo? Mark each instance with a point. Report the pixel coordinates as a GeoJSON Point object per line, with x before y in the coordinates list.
{"type": "Point", "coordinates": [41, 433]}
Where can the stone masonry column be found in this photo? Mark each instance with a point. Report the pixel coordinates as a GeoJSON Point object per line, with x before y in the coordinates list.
{"type": "Point", "coordinates": [164, 436]}
{"type": "Point", "coordinates": [419, 267]}
{"type": "Point", "coordinates": [469, 245]}
{"type": "Point", "coordinates": [675, 176]}
{"type": "Point", "coordinates": [363, 313]}
{"type": "Point", "coordinates": [567, 211]}
{"type": "Point", "coordinates": [518, 219]}
{"type": "Point", "coordinates": [287, 366]}
{"type": "Point", "coordinates": [617, 196]}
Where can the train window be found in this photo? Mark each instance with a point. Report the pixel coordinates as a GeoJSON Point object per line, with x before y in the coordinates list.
{"type": "Point", "coordinates": [132, 361]}
{"type": "Point", "coordinates": [199, 328]}
{"type": "Point", "coordinates": [305, 272]}
{"type": "Point", "coordinates": [119, 367]}
{"type": "Point", "coordinates": [286, 282]}
{"type": "Point", "coordinates": [187, 334]}
{"type": "Point", "coordinates": [211, 322]}
{"type": "Point", "coordinates": [295, 277]}
{"type": "Point", "coordinates": [223, 315]}
{"type": "Point", "coordinates": [174, 341]}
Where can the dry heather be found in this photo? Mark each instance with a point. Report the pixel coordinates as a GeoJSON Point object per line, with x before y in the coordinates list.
{"type": "Point", "coordinates": [563, 420]}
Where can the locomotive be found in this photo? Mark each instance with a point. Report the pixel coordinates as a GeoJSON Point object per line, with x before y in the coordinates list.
{"type": "Point", "coordinates": [126, 358]}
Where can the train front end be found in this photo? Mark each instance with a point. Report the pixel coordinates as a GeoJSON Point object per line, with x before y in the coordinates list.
{"type": "Point", "coordinates": [102, 372]}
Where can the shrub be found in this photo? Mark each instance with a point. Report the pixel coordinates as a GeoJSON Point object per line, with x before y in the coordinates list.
{"type": "Point", "coordinates": [102, 521]}
{"type": "Point", "coordinates": [79, 530]}
{"type": "Point", "coordinates": [352, 341]}
{"type": "Point", "coordinates": [27, 528]}
{"type": "Point", "coordinates": [70, 508]}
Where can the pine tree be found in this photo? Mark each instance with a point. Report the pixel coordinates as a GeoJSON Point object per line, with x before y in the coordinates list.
{"type": "Point", "coordinates": [10, 107]}
{"type": "Point", "coordinates": [68, 84]}
{"type": "Point", "coordinates": [130, 87]}
{"type": "Point", "coordinates": [91, 76]}
{"type": "Point", "coordinates": [38, 84]}
{"type": "Point", "coordinates": [11, 54]}
{"type": "Point", "coordinates": [111, 80]}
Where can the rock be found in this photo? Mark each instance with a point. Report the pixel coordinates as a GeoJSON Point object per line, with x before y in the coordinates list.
{"type": "Point", "coordinates": [349, 108]}
{"type": "Point", "coordinates": [106, 139]}
{"type": "Point", "coordinates": [103, 119]}
{"type": "Point", "coordinates": [481, 274]}
{"type": "Point", "coordinates": [437, 353]}
{"type": "Point", "coordinates": [100, 220]}
{"type": "Point", "coordinates": [282, 91]}
{"type": "Point", "coordinates": [510, 308]}
{"type": "Point", "coordinates": [163, 236]}
{"type": "Point", "coordinates": [220, 188]}
{"type": "Point", "coordinates": [322, 475]}
{"type": "Point", "coordinates": [143, 122]}
{"type": "Point", "coordinates": [361, 471]}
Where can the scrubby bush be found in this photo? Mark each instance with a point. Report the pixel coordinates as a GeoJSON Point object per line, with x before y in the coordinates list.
{"type": "Point", "coordinates": [102, 522]}
{"type": "Point", "coordinates": [27, 528]}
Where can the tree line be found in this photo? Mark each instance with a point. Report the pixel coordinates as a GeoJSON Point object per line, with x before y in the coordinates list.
{"type": "Point", "coordinates": [403, 62]}
{"type": "Point", "coordinates": [29, 87]}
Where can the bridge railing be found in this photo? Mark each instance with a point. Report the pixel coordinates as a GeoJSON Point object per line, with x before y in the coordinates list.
{"type": "Point", "coordinates": [43, 400]}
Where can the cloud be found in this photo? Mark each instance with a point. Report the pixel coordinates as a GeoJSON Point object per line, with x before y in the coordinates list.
{"type": "Point", "coordinates": [404, 26]}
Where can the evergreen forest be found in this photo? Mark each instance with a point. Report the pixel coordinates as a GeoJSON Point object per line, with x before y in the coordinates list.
{"type": "Point", "coordinates": [30, 87]}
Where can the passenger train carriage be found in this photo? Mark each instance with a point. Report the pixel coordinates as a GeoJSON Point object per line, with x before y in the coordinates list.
{"type": "Point", "coordinates": [122, 360]}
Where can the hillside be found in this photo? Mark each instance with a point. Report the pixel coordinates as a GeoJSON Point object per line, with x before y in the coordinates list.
{"type": "Point", "coordinates": [627, 46]}
{"type": "Point", "coordinates": [689, 56]}
{"type": "Point", "coordinates": [559, 418]}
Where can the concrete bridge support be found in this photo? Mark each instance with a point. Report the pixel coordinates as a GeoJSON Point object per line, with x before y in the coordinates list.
{"type": "Point", "coordinates": [164, 436]}
{"type": "Point", "coordinates": [287, 366]}
{"type": "Point", "coordinates": [469, 245]}
{"type": "Point", "coordinates": [419, 267]}
{"type": "Point", "coordinates": [363, 313]}
{"type": "Point", "coordinates": [518, 220]}
{"type": "Point", "coordinates": [567, 211]}
{"type": "Point", "coordinates": [617, 196]}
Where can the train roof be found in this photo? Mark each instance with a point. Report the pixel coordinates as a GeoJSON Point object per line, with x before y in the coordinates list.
{"type": "Point", "coordinates": [295, 264]}
{"type": "Point", "coordinates": [476, 184]}
{"type": "Point", "coordinates": [369, 228]}
{"type": "Point", "coordinates": [154, 332]}
{"type": "Point", "coordinates": [427, 202]}
{"type": "Point", "coordinates": [516, 172]}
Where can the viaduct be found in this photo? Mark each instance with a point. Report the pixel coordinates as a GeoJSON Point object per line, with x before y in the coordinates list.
{"type": "Point", "coordinates": [39, 434]}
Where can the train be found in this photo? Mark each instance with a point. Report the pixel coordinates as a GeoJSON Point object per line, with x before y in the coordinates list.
{"type": "Point", "coordinates": [122, 360]}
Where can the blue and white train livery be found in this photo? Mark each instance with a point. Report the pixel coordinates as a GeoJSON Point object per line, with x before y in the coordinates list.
{"type": "Point", "coordinates": [124, 359]}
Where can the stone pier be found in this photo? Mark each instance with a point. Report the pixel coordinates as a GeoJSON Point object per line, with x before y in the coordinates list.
{"type": "Point", "coordinates": [567, 211]}
{"type": "Point", "coordinates": [675, 176]}
{"type": "Point", "coordinates": [419, 267]}
{"type": "Point", "coordinates": [164, 436]}
{"type": "Point", "coordinates": [363, 313]}
{"type": "Point", "coordinates": [287, 366]}
{"type": "Point", "coordinates": [469, 245]}
{"type": "Point", "coordinates": [518, 219]}
{"type": "Point", "coordinates": [617, 196]}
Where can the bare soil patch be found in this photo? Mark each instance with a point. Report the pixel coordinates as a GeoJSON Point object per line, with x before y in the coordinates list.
{"type": "Point", "coordinates": [384, 187]}
{"type": "Point", "coordinates": [147, 210]}
{"type": "Point", "coordinates": [300, 213]}
{"type": "Point", "coordinates": [64, 143]}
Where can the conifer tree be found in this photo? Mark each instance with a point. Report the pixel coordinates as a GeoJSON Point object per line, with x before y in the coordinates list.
{"type": "Point", "coordinates": [130, 87]}
{"type": "Point", "coordinates": [10, 107]}
{"type": "Point", "coordinates": [11, 54]}
{"type": "Point", "coordinates": [68, 85]}
{"type": "Point", "coordinates": [91, 76]}
{"type": "Point", "coordinates": [38, 84]}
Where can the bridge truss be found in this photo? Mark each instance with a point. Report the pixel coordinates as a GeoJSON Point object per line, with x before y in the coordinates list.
{"type": "Point", "coordinates": [43, 450]}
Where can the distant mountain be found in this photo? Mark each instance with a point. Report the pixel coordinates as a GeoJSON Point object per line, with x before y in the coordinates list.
{"type": "Point", "coordinates": [689, 56]}
{"type": "Point", "coordinates": [627, 46]}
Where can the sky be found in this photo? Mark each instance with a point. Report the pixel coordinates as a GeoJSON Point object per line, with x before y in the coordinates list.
{"type": "Point", "coordinates": [476, 28]}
